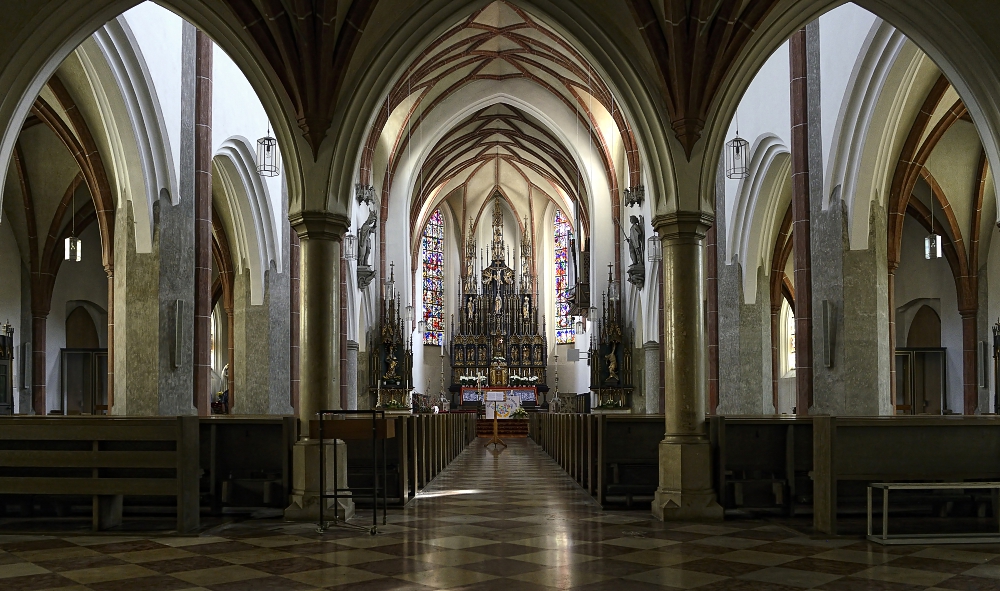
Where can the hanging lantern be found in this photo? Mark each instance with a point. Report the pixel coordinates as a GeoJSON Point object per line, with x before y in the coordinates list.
{"type": "Point", "coordinates": [932, 247]}
{"type": "Point", "coordinates": [268, 161]}
{"type": "Point", "coordinates": [390, 285]}
{"type": "Point", "coordinates": [578, 326]}
{"type": "Point", "coordinates": [409, 314]}
{"type": "Point", "coordinates": [654, 249]}
{"type": "Point", "coordinates": [422, 326]}
{"type": "Point", "coordinates": [737, 158]}
{"type": "Point", "coordinates": [350, 247]}
{"type": "Point", "coordinates": [74, 246]}
{"type": "Point", "coordinates": [73, 249]}
{"type": "Point", "coordinates": [614, 292]}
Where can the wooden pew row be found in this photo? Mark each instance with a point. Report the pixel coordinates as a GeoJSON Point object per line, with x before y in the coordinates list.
{"type": "Point", "coordinates": [105, 458]}
{"type": "Point", "coordinates": [615, 458]}
{"type": "Point", "coordinates": [424, 445]}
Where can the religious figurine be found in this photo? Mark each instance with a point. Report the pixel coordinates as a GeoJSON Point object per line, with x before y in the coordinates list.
{"type": "Point", "coordinates": [365, 272]}
{"type": "Point", "coordinates": [525, 308]}
{"type": "Point", "coordinates": [391, 373]}
{"type": "Point", "coordinates": [612, 364]}
{"type": "Point", "coordinates": [497, 305]}
{"type": "Point", "coordinates": [469, 307]}
{"type": "Point", "coordinates": [636, 248]}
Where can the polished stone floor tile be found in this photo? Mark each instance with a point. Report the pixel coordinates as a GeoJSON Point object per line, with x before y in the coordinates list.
{"type": "Point", "coordinates": [508, 521]}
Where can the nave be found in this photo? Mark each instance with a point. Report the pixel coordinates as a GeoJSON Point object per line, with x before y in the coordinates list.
{"type": "Point", "coordinates": [508, 520]}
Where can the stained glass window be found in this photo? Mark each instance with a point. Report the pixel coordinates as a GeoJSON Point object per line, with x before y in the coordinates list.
{"type": "Point", "coordinates": [564, 322]}
{"type": "Point", "coordinates": [432, 244]}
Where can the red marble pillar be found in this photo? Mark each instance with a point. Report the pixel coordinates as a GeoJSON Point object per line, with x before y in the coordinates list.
{"type": "Point", "coordinates": [38, 362]}
{"type": "Point", "coordinates": [970, 379]}
{"type": "Point", "coordinates": [712, 287]}
{"type": "Point", "coordinates": [203, 225]}
{"type": "Point", "coordinates": [295, 302]}
{"type": "Point", "coordinates": [343, 333]}
{"type": "Point", "coordinates": [800, 223]}
{"type": "Point", "coordinates": [111, 337]}
{"type": "Point", "coordinates": [892, 332]}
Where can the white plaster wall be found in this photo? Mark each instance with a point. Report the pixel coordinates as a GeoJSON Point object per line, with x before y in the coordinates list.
{"type": "Point", "coordinates": [85, 280]}
{"type": "Point", "coordinates": [158, 34]}
{"type": "Point", "coordinates": [236, 111]}
{"type": "Point", "coordinates": [10, 296]}
{"type": "Point", "coordinates": [764, 109]}
{"type": "Point", "coordinates": [842, 33]}
{"type": "Point", "coordinates": [918, 278]}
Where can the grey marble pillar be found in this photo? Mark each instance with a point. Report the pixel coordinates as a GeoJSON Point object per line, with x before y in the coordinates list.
{"type": "Point", "coordinates": [685, 480]}
{"type": "Point", "coordinates": [351, 379]}
{"type": "Point", "coordinates": [320, 234]}
{"type": "Point", "coordinates": [173, 247]}
{"type": "Point", "coordinates": [651, 377]}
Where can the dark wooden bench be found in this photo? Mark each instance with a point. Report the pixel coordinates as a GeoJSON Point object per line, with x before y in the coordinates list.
{"type": "Point", "coordinates": [105, 458]}
{"type": "Point", "coordinates": [761, 462]}
{"type": "Point", "coordinates": [851, 452]}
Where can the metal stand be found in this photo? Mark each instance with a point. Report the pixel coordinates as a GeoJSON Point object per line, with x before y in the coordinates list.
{"type": "Point", "coordinates": [344, 435]}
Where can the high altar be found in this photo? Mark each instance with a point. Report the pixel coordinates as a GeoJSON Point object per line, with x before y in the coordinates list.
{"type": "Point", "coordinates": [498, 335]}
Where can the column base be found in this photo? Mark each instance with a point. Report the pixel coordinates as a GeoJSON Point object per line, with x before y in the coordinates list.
{"type": "Point", "coordinates": [304, 500]}
{"type": "Point", "coordinates": [685, 491]}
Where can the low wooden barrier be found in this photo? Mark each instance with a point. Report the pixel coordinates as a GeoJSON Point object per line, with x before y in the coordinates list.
{"type": "Point", "coordinates": [231, 477]}
{"type": "Point", "coordinates": [762, 462]}
{"type": "Point", "coordinates": [851, 452]}
{"type": "Point", "coordinates": [615, 458]}
{"type": "Point", "coordinates": [105, 458]}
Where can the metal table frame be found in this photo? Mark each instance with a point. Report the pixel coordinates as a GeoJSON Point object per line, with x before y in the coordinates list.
{"type": "Point", "coordinates": [375, 415]}
{"type": "Point", "coordinates": [967, 538]}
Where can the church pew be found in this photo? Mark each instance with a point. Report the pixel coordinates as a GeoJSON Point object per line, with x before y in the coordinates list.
{"type": "Point", "coordinates": [761, 462]}
{"type": "Point", "coordinates": [615, 458]}
{"type": "Point", "coordinates": [234, 478]}
{"type": "Point", "coordinates": [105, 458]}
{"type": "Point", "coordinates": [849, 452]}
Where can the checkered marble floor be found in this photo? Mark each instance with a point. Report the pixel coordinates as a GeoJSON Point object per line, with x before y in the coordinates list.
{"type": "Point", "coordinates": [492, 521]}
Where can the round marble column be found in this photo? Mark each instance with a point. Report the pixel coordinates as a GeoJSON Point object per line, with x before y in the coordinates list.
{"type": "Point", "coordinates": [320, 235]}
{"type": "Point", "coordinates": [685, 489]}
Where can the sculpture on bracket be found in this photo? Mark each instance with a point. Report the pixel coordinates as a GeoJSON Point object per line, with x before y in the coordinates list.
{"type": "Point", "coordinates": [636, 239]}
{"type": "Point", "coordinates": [365, 239]}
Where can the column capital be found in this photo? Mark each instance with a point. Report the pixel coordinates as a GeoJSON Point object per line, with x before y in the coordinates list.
{"type": "Point", "coordinates": [319, 225]}
{"type": "Point", "coordinates": [683, 224]}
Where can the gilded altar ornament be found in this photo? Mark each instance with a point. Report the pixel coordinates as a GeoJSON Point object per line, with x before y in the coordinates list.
{"type": "Point", "coordinates": [525, 308]}
{"type": "Point", "coordinates": [391, 373]}
{"type": "Point", "coordinates": [612, 364]}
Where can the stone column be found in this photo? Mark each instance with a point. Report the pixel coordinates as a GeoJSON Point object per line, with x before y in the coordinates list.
{"type": "Point", "coordinates": [970, 384]}
{"type": "Point", "coordinates": [38, 400]}
{"type": "Point", "coordinates": [295, 302]}
{"type": "Point", "coordinates": [685, 490]}
{"type": "Point", "coordinates": [203, 226]}
{"type": "Point", "coordinates": [351, 378]}
{"type": "Point", "coordinates": [800, 222]}
{"type": "Point", "coordinates": [320, 235]}
{"type": "Point", "coordinates": [174, 267]}
{"type": "Point", "coordinates": [109, 269]}
{"type": "Point", "coordinates": [651, 377]}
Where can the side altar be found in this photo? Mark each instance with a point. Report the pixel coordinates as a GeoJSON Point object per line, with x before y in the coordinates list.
{"type": "Point", "coordinates": [390, 362]}
{"type": "Point", "coordinates": [611, 348]}
{"type": "Point", "coordinates": [498, 341]}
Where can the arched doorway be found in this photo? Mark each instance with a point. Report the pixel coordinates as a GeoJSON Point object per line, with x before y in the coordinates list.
{"type": "Point", "coordinates": [921, 367]}
{"type": "Point", "coordinates": [83, 365]}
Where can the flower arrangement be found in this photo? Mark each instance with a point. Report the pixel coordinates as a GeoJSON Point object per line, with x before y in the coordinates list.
{"type": "Point", "coordinates": [519, 413]}
{"type": "Point", "coordinates": [471, 380]}
{"type": "Point", "coordinates": [523, 380]}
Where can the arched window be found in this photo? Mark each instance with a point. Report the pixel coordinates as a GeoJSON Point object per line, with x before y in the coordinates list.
{"type": "Point", "coordinates": [432, 244]}
{"type": "Point", "coordinates": [787, 345]}
{"type": "Point", "coordinates": [564, 322]}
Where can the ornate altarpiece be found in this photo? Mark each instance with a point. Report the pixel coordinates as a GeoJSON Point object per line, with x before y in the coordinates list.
{"type": "Point", "coordinates": [498, 333]}
{"type": "Point", "coordinates": [611, 357]}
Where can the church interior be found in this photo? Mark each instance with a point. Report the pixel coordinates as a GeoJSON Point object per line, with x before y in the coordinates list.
{"type": "Point", "coordinates": [499, 294]}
